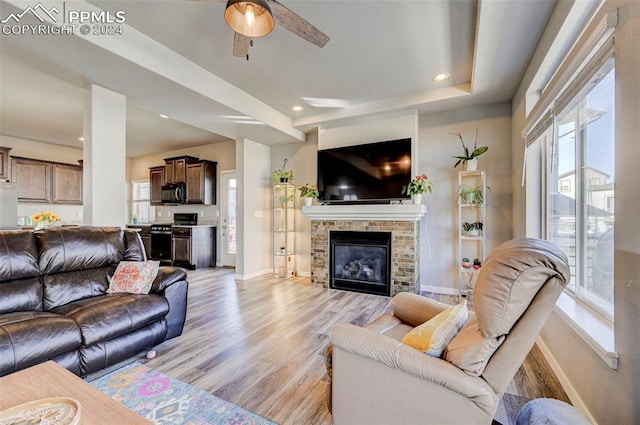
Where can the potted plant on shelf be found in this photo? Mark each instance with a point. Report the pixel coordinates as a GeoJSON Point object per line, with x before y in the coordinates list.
{"type": "Point", "coordinates": [308, 192]}
{"type": "Point", "coordinates": [416, 187]}
{"type": "Point", "coordinates": [477, 264]}
{"type": "Point", "coordinates": [469, 158]}
{"type": "Point", "coordinates": [471, 195]}
{"type": "Point", "coordinates": [466, 263]}
{"type": "Point", "coordinates": [472, 229]}
{"type": "Point", "coordinates": [283, 175]}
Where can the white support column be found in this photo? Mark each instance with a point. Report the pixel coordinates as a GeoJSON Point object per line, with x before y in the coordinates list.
{"type": "Point", "coordinates": [104, 158]}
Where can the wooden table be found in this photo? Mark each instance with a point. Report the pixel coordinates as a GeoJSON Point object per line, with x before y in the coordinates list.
{"type": "Point", "coordinates": [51, 380]}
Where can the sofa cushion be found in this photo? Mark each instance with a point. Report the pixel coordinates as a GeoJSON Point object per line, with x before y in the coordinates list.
{"type": "Point", "coordinates": [65, 249]}
{"type": "Point", "coordinates": [433, 336]}
{"type": "Point", "coordinates": [108, 316]}
{"type": "Point", "coordinates": [63, 288]}
{"type": "Point", "coordinates": [133, 277]}
{"type": "Point", "coordinates": [18, 255]}
{"type": "Point", "coordinates": [21, 295]}
{"type": "Point", "coordinates": [134, 248]}
{"type": "Point", "coordinates": [28, 338]}
{"type": "Point", "coordinates": [511, 277]}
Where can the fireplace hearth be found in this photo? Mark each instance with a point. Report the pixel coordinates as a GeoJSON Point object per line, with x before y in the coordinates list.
{"type": "Point", "coordinates": [360, 261]}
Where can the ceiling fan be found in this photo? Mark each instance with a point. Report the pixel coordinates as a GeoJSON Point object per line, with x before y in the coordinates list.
{"type": "Point", "coordinates": [257, 18]}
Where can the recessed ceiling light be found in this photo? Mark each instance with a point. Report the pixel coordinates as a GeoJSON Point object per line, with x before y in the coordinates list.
{"type": "Point", "coordinates": [163, 116]}
{"type": "Point", "coordinates": [297, 108]}
{"type": "Point", "coordinates": [442, 76]}
{"type": "Point", "coordinates": [81, 139]}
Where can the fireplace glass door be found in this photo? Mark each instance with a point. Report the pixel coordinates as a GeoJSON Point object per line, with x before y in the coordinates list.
{"type": "Point", "coordinates": [360, 261]}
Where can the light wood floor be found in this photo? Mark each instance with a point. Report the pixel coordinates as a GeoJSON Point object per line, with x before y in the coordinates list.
{"type": "Point", "coordinates": [260, 344]}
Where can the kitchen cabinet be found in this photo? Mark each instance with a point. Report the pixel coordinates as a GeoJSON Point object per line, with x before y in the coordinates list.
{"type": "Point", "coordinates": [66, 184]}
{"type": "Point", "coordinates": [176, 169]}
{"type": "Point", "coordinates": [194, 247]}
{"type": "Point", "coordinates": [201, 183]}
{"type": "Point", "coordinates": [33, 178]}
{"type": "Point", "coordinates": [47, 182]}
{"type": "Point", "coordinates": [4, 164]}
{"type": "Point", "coordinates": [156, 180]}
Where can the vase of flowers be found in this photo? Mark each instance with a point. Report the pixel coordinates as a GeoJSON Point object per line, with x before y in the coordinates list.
{"type": "Point", "coordinates": [308, 192]}
{"type": "Point", "coordinates": [469, 158]}
{"type": "Point", "coordinates": [45, 219]}
{"type": "Point", "coordinates": [416, 187]}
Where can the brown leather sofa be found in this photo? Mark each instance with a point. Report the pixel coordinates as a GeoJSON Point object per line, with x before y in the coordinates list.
{"type": "Point", "coordinates": [54, 305]}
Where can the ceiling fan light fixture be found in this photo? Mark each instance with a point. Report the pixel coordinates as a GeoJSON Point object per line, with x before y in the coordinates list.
{"type": "Point", "coordinates": [249, 18]}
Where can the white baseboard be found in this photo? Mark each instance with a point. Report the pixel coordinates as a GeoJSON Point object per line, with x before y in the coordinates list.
{"type": "Point", "coordinates": [439, 289]}
{"type": "Point", "coordinates": [254, 274]}
{"type": "Point", "coordinates": [576, 400]}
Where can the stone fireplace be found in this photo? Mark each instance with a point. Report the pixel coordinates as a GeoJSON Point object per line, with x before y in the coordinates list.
{"type": "Point", "coordinates": [401, 222]}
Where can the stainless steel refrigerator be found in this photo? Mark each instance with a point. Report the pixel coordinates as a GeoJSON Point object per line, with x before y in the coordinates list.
{"type": "Point", "coordinates": [8, 205]}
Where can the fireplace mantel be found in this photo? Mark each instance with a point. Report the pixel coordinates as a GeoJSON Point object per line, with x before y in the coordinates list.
{"type": "Point", "coordinates": [383, 212]}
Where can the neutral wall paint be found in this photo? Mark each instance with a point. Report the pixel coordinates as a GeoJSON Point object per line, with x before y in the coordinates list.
{"type": "Point", "coordinates": [253, 173]}
{"type": "Point", "coordinates": [438, 146]}
{"type": "Point", "coordinates": [611, 397]}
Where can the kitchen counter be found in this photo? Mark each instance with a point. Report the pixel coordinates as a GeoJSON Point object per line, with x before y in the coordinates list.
{"type": "Point", "coordinates": [191, 226]}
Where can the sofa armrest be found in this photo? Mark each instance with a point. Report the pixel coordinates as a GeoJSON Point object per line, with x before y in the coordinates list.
{"type": "Point", "coordinates": [166, 277]}
{"type": "Point", "coordinates": [397, 355]}
{"type": "Point", "coordinates": [415, 309]}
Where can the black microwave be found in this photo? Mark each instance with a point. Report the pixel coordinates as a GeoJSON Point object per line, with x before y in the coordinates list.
{"type": "Point", "coordinates": [174, 194]}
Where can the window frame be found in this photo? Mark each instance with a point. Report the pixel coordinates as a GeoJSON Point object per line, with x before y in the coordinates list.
{"type": "Point", "coordinates": [140, 201]}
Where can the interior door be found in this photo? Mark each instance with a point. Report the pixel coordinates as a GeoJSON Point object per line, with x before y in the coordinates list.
{"type": "Point", "coordinates": [227, 225]}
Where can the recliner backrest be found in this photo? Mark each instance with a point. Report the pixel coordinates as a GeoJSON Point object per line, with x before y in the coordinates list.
{"type": "Point", "coordinates": [20, 286]}
{"type": "Point", "coordinates": [76, 262]}
{"type": "Point", "coordinates": [515, 293]}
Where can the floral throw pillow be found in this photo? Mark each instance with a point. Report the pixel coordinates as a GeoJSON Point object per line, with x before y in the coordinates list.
{"type": "Point", "coordinates": [134, 277]}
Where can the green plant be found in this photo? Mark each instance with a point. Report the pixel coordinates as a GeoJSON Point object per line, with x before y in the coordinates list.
{"type": "Point", "coordinates": [308, 191]}
{"type": "Point", "coordinates": [467, 227]}
{"type": "Point", "coordinates": [472, 195]}
{"type": "Point", "coordinates": [466, 260]}
{"type": "Point", "coordinates": [476, 152]}
{"type": "Point", "coordinates": [282, 175]}
{"type": "Point", "coordinates": [420, 184]}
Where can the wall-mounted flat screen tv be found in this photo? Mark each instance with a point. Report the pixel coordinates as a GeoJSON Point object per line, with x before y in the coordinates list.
{"type": "Point", "coordinates": [373, 172]}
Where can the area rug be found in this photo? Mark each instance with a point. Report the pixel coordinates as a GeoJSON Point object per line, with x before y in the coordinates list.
{"type": "Point", "coordinates": [164, 400]}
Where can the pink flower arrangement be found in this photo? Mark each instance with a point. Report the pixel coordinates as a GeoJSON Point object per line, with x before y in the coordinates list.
{"type": "Point", "coordinates": [420, 184]}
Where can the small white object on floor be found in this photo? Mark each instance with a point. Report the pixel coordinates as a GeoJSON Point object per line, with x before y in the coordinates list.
{"type": "Point", "coordinates": [151, 354]}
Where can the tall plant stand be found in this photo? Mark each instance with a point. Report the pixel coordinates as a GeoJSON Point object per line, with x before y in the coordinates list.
{"type": "Point", "coordinates": [471, 245]}
{"type": "Point", "coordinates": [284, 195]}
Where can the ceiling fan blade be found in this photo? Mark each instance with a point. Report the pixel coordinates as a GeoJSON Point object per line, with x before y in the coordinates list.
{"type": "Point", "coordinates": [240, 44]}
{"type": "Point", "coordinates": [296, 24]}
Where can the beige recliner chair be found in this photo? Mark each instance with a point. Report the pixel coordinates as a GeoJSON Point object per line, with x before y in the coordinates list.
{"type": "Point", "coordinates": [376, 379]}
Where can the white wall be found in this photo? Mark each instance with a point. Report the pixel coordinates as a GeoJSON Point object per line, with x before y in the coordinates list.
{"type": "Point", "coordinates": [253, 173]}
{"type": "Point", "coordinates": [611, 396]}
{"type": "Point", "coordinates": [69, 214]}
{"type": "Point", "coordinates": [437, 147]}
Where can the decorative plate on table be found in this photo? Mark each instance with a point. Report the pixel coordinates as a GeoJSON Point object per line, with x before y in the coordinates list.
{"type": "Point", "coordinates": [47, 411]}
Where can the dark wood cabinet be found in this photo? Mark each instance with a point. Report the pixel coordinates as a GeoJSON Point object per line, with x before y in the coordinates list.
{"type": "Point", "coordinates": [66, 184]}
{"type": "Point", "coordinates": [33, 178]}
{"type": "Point", "coordinates": [176, 168]}
{"type": "Point", "coordinates": [156, 180]}
{"type": "Point", "coordinates": [194, 247]}
{"type": "Point", "coordinates": [201, 183]}
{"type": "Point", "coordinates": [4, 164]}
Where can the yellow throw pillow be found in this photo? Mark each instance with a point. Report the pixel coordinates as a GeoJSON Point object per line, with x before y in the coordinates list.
{"type": "Point", "coordinates": [433, 336]}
